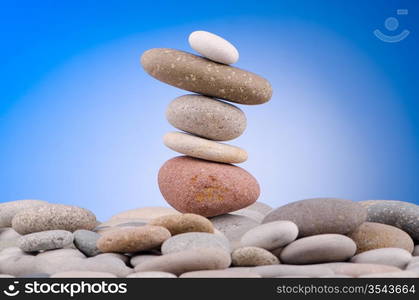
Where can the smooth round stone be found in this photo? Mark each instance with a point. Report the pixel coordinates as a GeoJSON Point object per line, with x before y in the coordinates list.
{"type": "Point", "coordinates": [371, 236]}
{"type": "Point", "coordinates": [400, 274]}
{"type": "Point", "coordinates": [233, 227]}
{"type": "Point", "coordinates": [8, 238]}
{"type": "Point", "coordinates": [416, 251]}
{"type": "Point", "coordinates": [133, 239]}
{"type": "Point", "coordinates": [227, 273]}
{"type": "Point", "coordinates": [206, 188]}
{"type": "Point", "coordinates": [403, 215]}
{"type": "Point", "coordinates": [321, 215]}
{"type": "Point", "coordinates": [274, 271]}
{"type": "Point", "coordinates": [199, 75]}
{"type": "Point", "coordinates": [194, 240]}
{"type": "Point", "coordinates": [144, 213]}
{"type": "Point", "coordinates": [53, 217]}
{"type": "Point", "coordinates": [271, 235]}
{"type": "Point", "coordinates": [187, 261]}
{"type": "Point", "coordinates": [61, 254]}
{"type": "Point", "coordinates": [213, 47]}
{"type": "Point", "coordinates": [385, 256]}
{"type": "Point", "coordinates": [139, 259]}
{"type": "Point", "coordinates": [45, 240]}
{"type": "Point", "coordinates": [252, 257]}
{"type": "Point", "coordinates": [355, 270]}
{"type": "Point", "coordinates": [9, 209]}
{"type": "Point", "coordinates": [206, 117]}
{"type": "Point", "coordinates": [151, 274]}
{"type": "Point", "coordinates": [83, 274]}
{"type": "Point", "coordinates": [182, 223]}
{"type": "Point", "coordinates": [317, 249]}
{"type": "Point", "coordinates": [119, 256]}
{"type": "Point", "coordinates": [198, 147]}
{"type": "Point", "coordinates": [85, 241]}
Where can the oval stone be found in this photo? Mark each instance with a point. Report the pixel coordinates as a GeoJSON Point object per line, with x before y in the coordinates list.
{"type": "Point", "coordinates": [206, 188]}
{"type": "Point", "coordinates": [9, 209]}
{"type": "Point", "coordinates": [85, 241]}
{"type": "Point", "coordinates": [371, 236]}
{"type": "Point", "coordinates": [355, 270]}
{"type": "Point", "coordinates": [194, 240]}
{"type": "Point", "coordinates": [321, 215]}
{"type": "Point", "coordinates": [384, 256]}
{"type": "Point", "coordinates": [182, 223]}
{"type": "Point", "coordinates": [126, 240]}
{"type": "Point", "coordinates": [271, 235]}
{"type": "Point", "coordinates": [45, 240]}
{"type": "Point", "coordinates": [403, 215]}
{"type": "Point", "coordinates": [317, 249]}
{"type": "Point", "coordinates": [206, 117]}
{"type": "Point", "coordinates": [205, 149]}
{"type": "Point", "coordinates": [187, 261]}
{"type": "Point", "coordinates": [252, 257]}
{"type": "Point", "coordinates": [213, 47]}
{"type": "Point", "coordinates": [52, 217]}
{"type": "Point", "coordinates": [199, 75]}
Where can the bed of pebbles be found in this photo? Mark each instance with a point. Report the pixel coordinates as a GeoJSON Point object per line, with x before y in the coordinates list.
{"type": "Point", "coordinates": [216, 227]}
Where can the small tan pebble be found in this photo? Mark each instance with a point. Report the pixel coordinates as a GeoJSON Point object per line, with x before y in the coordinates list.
{"type": "Point", "coordinates": [400, 274]}
{"type": "Point", "coordinates": [355, 270]}
{"type": "Point", "coordinates": [152, 274]}
{"type": "Point", "coordinates": [227, 273]}
{"type": "Point", "coordinates": [182, 223]}
{"type": "Point", "coordinates": [133, 239]}
{"type": "Point", "coordinates": [145, 213]}
{"type": "Point", "coordinates": [253, 256]}
{"type": "Point", "coordinates": [386, 256]}
{"type": "Point", "coordinates": [82, 274]}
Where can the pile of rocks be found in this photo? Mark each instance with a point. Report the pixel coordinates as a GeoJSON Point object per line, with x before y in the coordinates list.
{"type": "Point", "coordinates": [321, 237]}
{"type": "Point", "coordinates": [204, 181]}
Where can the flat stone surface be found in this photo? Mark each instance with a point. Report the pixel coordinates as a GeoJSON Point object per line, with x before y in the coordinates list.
{"type": "Point", "coordinates": [187, 261]}
{"type": "Point", "coordinates": [274, 271]}
{"type": "Point", "coordinates": [85, 241]}
{"type": "Point", "coordinates": [133, 239]}
{"type": "Point", "coordinates": [318, 248]}
{"type": "Point", "coordinates": [206, 188]}
{"type": "Point", "coordinates": [400, 274]}
{"type": "Point", "coordinates": [385, 256]}
{"type": "Point", "coordinates": [45, 240]}
{"type": "Point", "coordinates": [9, 209]}
{"type": "Point", "coordinates": [371, 236]}
{"type": "Point", "coordinates": [321, 215]}
{"type": "Point", "coordinates": [194, 240]}
{"type": "Point", "coordinates": [355, 270]}
{"type": "Point", "coordinates": [227, 273]}
{"type": "Point", "coordinates": [83, 274]}
{"type": "Point", "coordinates": [213, 47]}
{"type": "Point", "coordinates": [198, 147]}
{"type": "Point", "coordinates": [182, 223]}
{"type": "Point", "coordinates": [139, 259]}
{"type": "Point", "coordinates": [8, 238]}
{"type": "Point", "coordinates": [252, 257]}
{"type": "Point", "coordinates": [53, 217]}
{"type": "Point", "coordinates": [271, 235]}
{"type": "Point", "coordinates": [206, 117]}
{"type": "Point", "coordinates": [151, 274]}
{"type": "Point", "coordinates": [197, 74]}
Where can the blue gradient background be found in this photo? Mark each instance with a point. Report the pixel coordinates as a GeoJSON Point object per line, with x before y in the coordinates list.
{"type": "Point", "coordinates": [81, 122]}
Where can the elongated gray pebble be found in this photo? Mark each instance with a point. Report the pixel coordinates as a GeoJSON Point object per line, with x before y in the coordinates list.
{"type": "Point", "coordinates": [45, 240]}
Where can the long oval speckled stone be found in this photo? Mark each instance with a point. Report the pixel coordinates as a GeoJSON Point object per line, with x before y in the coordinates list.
{"type": "Point", "coordinates": [200, 75]}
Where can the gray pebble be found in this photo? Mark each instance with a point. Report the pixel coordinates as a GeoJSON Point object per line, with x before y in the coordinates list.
{"type": "Point", "coordinates": [45, 240]}
{"type": "Point", "coordinates": [85, 241]}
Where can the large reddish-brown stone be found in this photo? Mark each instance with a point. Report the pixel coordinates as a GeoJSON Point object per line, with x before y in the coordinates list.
{"type": "Point", "coordinates": [206, 188]}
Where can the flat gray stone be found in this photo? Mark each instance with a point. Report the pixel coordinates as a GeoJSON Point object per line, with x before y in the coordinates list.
{"type": "Point", "coordinates": [85, 241]}
{"type": "Point", "coordinates": [45, 240]}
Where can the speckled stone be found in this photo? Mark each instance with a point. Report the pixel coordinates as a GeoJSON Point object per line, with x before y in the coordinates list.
{"type": "Point", "coordinates": [206, 117]}
{"type": "Point", "coordinates": [194, 240]}
{"type": "Point", "coordinates": [233, 227]}
{"type": "Point", "coordinates": [206, 188]}
{"type": "Point", "coordinates": [321, 215]}
{"type": "Point", "coordinates": [252, 257]}
{"type": "Point", "coordinates": [227, 273]}
{"type": "Point", "coordinates": [317, 249]}
{"type": "Point", "coordinates": [371, 236]}
{"type": "Point", "coordinates": [151, 274]}
{"type": "Point", "coordinates": [403, 215]}
{"type": "Point", "coordinates": [133, 239]}
{"type": "Point", "coordinates": [275, 271]}
{"type": "Point", "coordinates": [187, 261]}
{"type": "Point", "coordinates": [213, 47]}
{"type": "Point", "coordinates": [83, 274]}
{"type": "Point", "coordinates": [144, 213]}
{"type": "Point", "coordinates": [205, 149]}
{"type": "Point", "coordinates": [271, 235]}
{"type": "Point", "coordinates": [52, 217]}
{"type": "Point", "coordinates": [9, 209]}
{"type": "Point", "coordinates": [197, 74]}
{"type": "Point", "coordinates": [182, 223]}
{"type": "Point", "coordinates": [45, 240]}
{"type": "Point", "coordinates": [85, 241]}
{"type": "Point", "coordinates": [384, 256]}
